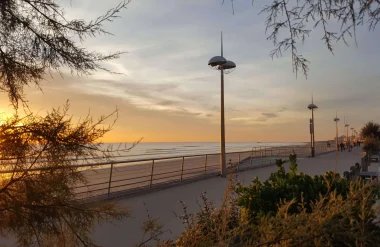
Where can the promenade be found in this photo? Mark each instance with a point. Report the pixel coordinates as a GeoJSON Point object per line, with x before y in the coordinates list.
{"type": "Point", "coordinates": [161, 204]}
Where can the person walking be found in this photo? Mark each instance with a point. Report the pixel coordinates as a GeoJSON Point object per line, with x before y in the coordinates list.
{"type": "Point", "coordinates": [341, 146]}
{"type": "Point", "coordinates": [348, 146]}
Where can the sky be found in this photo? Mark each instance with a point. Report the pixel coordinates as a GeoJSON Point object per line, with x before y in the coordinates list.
{"type": "Point", "coordinates": [167, 93]}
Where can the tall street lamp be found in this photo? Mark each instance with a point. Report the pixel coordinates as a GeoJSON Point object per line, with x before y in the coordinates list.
{"type": "Point", "coordinates": [346, 125]}
{"type": "Point", "coordinates": [225, 67]}
{"type": "Point", "coordinates": [336, 119]}
{"type": "Point", "coordinates": [311, 107]}
{"type": "Point", "coordinates": [356, 136]}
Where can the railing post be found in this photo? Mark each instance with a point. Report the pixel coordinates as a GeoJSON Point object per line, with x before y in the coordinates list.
{"type": "Point", "coordinates": [183, 163]}
{"type": "Point", "coordinates": [151, 174]}
{"type": "Point", "coordinates": [110, 180]}
{"type": "Point", "coordinates": [261, 157]}
{"type": "Point", "coordinates": [238, 162]}
{"type": "Point", "coordinates": [206, 164]}
{"type": "Point", "coordinates": [250, 162]}
{"type": "Point", "coordinates": [270, 159]}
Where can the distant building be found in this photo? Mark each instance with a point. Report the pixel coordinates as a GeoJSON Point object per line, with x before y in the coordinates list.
{"type": "Point", "coordinates": [344, 139]}
{"type": "Point", "coordinates": [341, 139]}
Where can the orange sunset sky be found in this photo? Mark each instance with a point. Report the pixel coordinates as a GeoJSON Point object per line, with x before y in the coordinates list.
{"type": "Point", "coordinates": [167, 93]}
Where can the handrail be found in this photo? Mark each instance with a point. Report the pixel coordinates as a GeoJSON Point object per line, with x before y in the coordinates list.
{"type": "Point", "coordinates": [143, 160]}
{"type": "Point", "coordinates": [148, 174]}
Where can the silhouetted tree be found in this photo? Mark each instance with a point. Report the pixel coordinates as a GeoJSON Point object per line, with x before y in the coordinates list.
{"type": "Point", "coordinates": [290, 22]}
{"type": "Point", "coordinates": [38, 203]}
{"type": "Point", "coordinates": [37, 39]}
{"type": "Point", "coordinates": [371, 130]}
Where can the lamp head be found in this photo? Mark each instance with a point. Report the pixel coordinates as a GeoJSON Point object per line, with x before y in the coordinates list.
{"type": "Point", "coordinates": [312, 106]}
{"type": "Point", "coordinates": [216, 61]}
{"type": "Point", "coordinates": [229, 65]}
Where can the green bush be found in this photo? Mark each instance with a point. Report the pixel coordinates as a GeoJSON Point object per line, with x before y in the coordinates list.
{"type": "Point", "coordinates": [263, 198]}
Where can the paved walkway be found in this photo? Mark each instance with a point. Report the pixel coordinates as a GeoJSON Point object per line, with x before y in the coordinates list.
{"type": "Point", "coordinates": [163, 203]}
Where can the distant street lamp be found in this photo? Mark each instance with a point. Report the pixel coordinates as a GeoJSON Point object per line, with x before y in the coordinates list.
{"type": "Point", "coordinates": [311, 107]}
{"type": "Point", "coordinates": [346, 125]}
{"type": "Point", "coordinates": [225, 67]}
{"type": "Point", "coordinates": [356, 136]}
{"type": "Point", "coordinates": [336, 119]}
{"type": "Point", "coordinates": [352, 134]}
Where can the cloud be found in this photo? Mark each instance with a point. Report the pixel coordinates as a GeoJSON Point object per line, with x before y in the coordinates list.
{"type": "Point", "coordinates": [167, 102]}
{"type": "Point", "coordinates": [165, 67]}
{"type": "Point", "coordinates": [261, 119]}
{"type": "Point", "coordinates": [269, 115]}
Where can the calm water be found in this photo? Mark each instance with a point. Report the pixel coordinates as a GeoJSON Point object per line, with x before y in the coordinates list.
{"type": "Point", "coordinates": [164, 149]}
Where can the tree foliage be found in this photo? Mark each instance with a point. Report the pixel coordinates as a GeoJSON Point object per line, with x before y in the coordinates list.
{"type": "Point", "coordinates": [370, 130]}
{"type": "Point", "coordinates": [36, 39]}
{"type": "Point", "coordinates": [371, 144]}
{"type": "Point", "coordinates": [38, 203]}
{"type": "Point", "coordinates": [290, 22]}
{"type": "Point", "coordinates": [371, 133]}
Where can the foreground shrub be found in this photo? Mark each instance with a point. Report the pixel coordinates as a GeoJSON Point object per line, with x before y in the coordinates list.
{"type": "Point", "coordinates": [306, 211]}
{"type": "Point", "coordinates": [262, 198]}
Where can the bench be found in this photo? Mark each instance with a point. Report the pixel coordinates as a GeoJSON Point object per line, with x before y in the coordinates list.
{"type": "Point", "coordinates": [375, 158]}
{"type": "Point", "coordinates": [368, 175]}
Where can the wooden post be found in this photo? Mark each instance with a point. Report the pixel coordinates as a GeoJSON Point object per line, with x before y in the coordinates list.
{"type": "Point", "coordinates": [183, 163]}
{"type": "Point", "coordinates": [238, 162]}
{"type": "Point", "coordinates": [270, 159]}
{"type": "Point", "coordinates": [261, 157]}
{"type": "Point", "coordinates": [250, 162]}
{"type": "Point", "coordinates": [110, 180]}
{"type": "Point", "coordinates": [206, 164]}
{"type": "Point", "coordinates": [151, 174]}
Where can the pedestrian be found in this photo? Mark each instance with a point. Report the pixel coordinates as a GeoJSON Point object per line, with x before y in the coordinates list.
{"type": "Point", "coordinates": [341, 146]}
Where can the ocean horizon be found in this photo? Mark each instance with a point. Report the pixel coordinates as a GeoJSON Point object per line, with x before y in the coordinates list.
{"type": "Point", "coordinates": [150, 150]}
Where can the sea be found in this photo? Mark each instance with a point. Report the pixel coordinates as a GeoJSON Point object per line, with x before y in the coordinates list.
{"type": "Point", "coordinates": [150, 150]}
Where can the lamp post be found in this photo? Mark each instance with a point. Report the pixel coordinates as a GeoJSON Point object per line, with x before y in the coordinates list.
{"type": "Point", "coordinates": [311, 107]}
{"type": "Point", "coordinates": [356, 136]}
{"type": "Point", "coordinates": [336, 119]}
{"type": "Point", "coordinates": [346, 125]}
{"type": "Point", "coordinates": [352, 135]}
{"type": "Point", "coordinates": [225, 67]}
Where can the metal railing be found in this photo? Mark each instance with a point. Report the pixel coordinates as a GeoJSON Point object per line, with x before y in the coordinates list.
{"type": "Point", "coordinates": [116, 178]}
